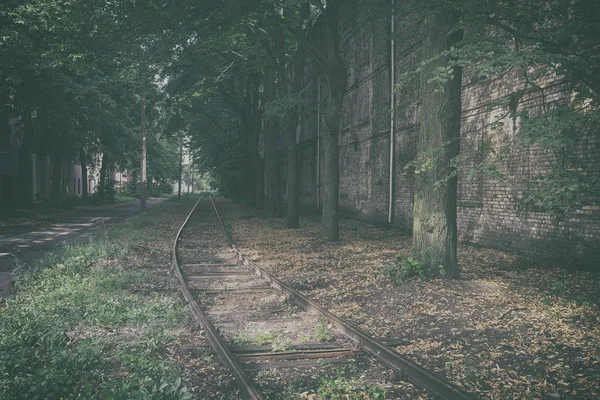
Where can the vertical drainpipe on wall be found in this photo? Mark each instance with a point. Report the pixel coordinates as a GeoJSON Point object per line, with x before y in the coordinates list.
{"type": "Point", "coordinates": [392, 112]}
{"type": "Point", "coordinates": [318, 143]}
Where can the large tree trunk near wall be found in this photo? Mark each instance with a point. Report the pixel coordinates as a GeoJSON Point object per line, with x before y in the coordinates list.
{"type": "Point", "coordinates": [434, 229]}
{"type": "Point", "coordinates": [336, 82]}
{"type": "Point", "coordinates": [293, 165]}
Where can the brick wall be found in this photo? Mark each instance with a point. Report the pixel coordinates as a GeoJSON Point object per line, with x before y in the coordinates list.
{"type": "Point", "coordinates": [488, 212]}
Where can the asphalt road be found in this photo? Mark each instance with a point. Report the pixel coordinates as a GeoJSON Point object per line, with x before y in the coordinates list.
{"type": "Point", "coordinates": [28, 243]}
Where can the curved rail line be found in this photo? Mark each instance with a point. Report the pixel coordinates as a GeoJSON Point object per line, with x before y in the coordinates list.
{"type": "Point", "coordinates": [400, 364]}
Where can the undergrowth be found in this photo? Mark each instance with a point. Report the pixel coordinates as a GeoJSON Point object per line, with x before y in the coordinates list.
{"type": "Point", "coordinates": [74, 330]}
{"type": "Point", "coordinates": [341, 387]}
{"type": "Point", "coordinates": [404, 269]}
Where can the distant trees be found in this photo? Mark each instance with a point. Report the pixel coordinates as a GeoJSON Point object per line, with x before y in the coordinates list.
{"type": "Point", "coordinates": [73, 83]}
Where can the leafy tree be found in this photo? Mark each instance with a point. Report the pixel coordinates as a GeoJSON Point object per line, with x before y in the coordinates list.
{"type": "Point", "coordinates": [536, 43]}
{"type": "Point", "coordinates": [435, 226]}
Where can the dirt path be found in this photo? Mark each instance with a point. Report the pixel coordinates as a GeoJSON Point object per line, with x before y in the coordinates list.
{"type": "Point", "coordinates": [28, 243]}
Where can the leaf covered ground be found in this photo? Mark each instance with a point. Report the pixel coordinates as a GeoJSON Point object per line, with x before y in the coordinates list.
{"type": "Point", "coordinates": [505, 330]}
{"type": "Point", "coordinates": [104, 320]}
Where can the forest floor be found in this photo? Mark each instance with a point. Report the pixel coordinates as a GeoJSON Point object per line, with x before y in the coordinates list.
{"type": "Point", "coordinates": [504, 330]}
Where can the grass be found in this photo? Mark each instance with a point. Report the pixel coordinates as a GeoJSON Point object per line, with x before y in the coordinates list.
{"type": "Point", "coordinates": [342, 387]}
{"type": "Point", "coordinates": [75, 329]}
{"type": "Point", "coordinates": [322, 333]}
{"type": "Point", "coordinates": [125, 199]}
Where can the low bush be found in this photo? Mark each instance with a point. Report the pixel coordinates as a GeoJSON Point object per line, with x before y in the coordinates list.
{"type": "Point", "coordinates": [406, 268]}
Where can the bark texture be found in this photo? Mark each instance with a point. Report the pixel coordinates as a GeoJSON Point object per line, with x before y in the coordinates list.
{"type": "Point", "coordinates": [291, 125]}
{"type": "Point", "coordinates": [25, 162]}
{"type": "Point", "coordinates": [257, 160]}
{"type": "Point", "coordinates": [434, 230]}
{"type": "Point", "coordinates": [335, 74]}
{"type": "Point", "coordinates": [104, 177]}
{"type": "Point", "coordinates": [293, 173]}
{"type": "Point", "coordinates": [271, 129]}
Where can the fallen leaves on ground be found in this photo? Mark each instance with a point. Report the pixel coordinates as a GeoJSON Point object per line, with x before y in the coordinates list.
{"type": "Point", "coordinates": [503, 331]}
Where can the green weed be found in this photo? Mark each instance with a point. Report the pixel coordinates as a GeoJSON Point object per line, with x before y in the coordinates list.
{"type": "Point", "coordinates": [406, 268]}
{"type": "Point", "coordinates": [281, 344]}
{"type": "Point", "coordinates": [341, 387]}
{"type": "Point", "coordinates": [73, 332]}
{"type": "Point", "coordinates": [323, 334]}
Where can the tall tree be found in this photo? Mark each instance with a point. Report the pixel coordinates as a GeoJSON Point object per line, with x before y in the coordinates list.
{"type": "Point", "coordinates": [434, 228]}
{"type": "Point", "coordinates": [291, 122]}
{"type": "Point", "coordinates": [334, 71]}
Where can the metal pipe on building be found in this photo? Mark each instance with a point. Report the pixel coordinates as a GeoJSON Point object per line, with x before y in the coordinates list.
{"type": "Point", "coordinates": [392, 112]}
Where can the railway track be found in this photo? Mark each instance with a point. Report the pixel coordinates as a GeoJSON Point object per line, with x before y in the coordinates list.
{"type": "Point", "coordinates": [266, 333]}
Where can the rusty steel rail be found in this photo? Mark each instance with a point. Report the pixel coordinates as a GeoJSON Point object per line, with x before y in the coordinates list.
{"type": "Point", "coordinates": [247, 389]}
{"type": "Point", "coordinates": [402, 365]}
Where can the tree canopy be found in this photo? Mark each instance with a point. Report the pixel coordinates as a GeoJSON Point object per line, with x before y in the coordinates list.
{"type": "Point", "coordinates": [229, 76]}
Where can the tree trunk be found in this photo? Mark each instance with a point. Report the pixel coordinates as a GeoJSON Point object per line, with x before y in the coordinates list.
{"type": "Point", "coordinates": [249, 173]}
{"type": "Point", "coordinates": [257, 161]}
{"type": "Point", "coordinates": [46, 175]}
{"type": "Point", "coordinates": [247, 131]}
{"type": "Point", "coordinates": [180, 167]}
{"type": "Point", "coordinates": [434, 229]}
{"type": "Point", "coordinates": [84, 175]}
{"type": "Point", "coordinates": [293, 172]}
{"type": "Point", "coordinates": [335, 74]}
{"type": "Point", "coordinates": [104, 172]}
{"type": "Point", "coordinates": [64, 183]}
{"type": "Point", "coordinates": [143, 158]}
{"type": "Point", "coordinates": [56, 177]}
{"type": "Point", "coordinates": [69, 177]}
{"type": "Point", "coordinates": [271, 137]}
{"type": "Point", "coordinates": [25, 162]}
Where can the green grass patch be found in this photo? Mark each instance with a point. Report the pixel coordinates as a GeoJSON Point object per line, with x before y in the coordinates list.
{"type": "Point", "coordinates": [121, 198]}
{"type": "Point", "coordinates": [341, 387]}
{"type": "Point", "coordinates": [75, 330]}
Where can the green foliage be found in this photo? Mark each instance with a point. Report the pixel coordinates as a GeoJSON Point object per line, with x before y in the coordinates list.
{"type": "Point", "coordinates": [278, 108]}
{"type": "Point", "coordinates": [534, 44]}
{"type": "Point", "coordinates": [566, 135]}
{"type": "Point", "coordinates": [281, 344]}
{"type": "Point", "coordinates": [406, 268]}
{"type": "Point", "coordinates": [340, 387]}
{"type": "Point", "coordinates": [52, 333]}
{"type": "Point", "coordinates": [322, 333]}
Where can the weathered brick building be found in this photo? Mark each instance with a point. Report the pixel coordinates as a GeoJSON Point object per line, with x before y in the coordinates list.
{"type": "Point", "coordinates": [489, 212]}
